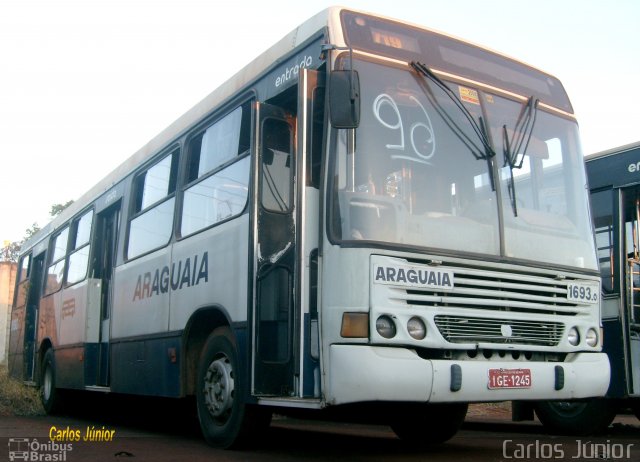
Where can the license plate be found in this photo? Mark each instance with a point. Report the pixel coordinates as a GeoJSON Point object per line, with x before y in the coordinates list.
{"type": "Point", "coordinates": [509, 378]}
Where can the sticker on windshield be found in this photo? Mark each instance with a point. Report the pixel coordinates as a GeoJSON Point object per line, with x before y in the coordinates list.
{"type": "Point", "coordinates": [469, 95]}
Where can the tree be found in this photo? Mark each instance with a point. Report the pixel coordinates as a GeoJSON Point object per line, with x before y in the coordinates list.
{"type": "Point", "coordinates": [30, 232]}
{"type": "Point", "coordinates": [11, 250]}
{"type": "Point", "coordinates": [56, 209]}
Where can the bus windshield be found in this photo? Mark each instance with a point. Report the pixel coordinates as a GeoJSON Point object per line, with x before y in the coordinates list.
{"type": "Point", "coordinates": [417, 174]}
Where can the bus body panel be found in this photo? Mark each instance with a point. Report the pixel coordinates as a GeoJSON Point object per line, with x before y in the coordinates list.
{"type": "Point", "coordinates": [141, 301]}
{"type": "Point", "coordinates": [16, 343]}
{"type": "Point", "coordinates": [218, 258]}
{"type": "Point", "coordinates": [146, 366]}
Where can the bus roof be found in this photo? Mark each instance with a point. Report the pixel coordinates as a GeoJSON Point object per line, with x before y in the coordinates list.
{"type": "Point", "coordinates": [612, 151]}
{"type": "Point", "coordinates": [328, 19]}
{"type": "Point", "coordinates": [617, 167]}
{"type": "Point", "coordinates": [272, 57]}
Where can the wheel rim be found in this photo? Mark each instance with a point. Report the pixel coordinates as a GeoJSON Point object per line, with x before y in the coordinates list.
{"type": "Point", "coordinates": [219, 388]}
{"type": "Point", "coordinates": [47, 383]}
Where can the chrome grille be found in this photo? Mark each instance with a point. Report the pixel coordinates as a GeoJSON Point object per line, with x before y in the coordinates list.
{"type": "Point", "coordinates": [463, 329]}
{"type": "Point", "coordinates": [480, 288]}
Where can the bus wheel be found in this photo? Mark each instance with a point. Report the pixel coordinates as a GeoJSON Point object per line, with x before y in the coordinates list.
{"type": "Point", "coordinates": [50, 396]}
{"type": "Point", "coordinates": [225, 419]}
{"type": "Point", "coordinates": [426, 424]}
{"type": "Point", "coordinates": [576, 417]}
{"type": "Point", "coordinates": [635, 407]}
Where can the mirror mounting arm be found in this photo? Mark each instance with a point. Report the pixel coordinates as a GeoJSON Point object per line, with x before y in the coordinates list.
{"type": "Point", "coordinates": [341, 116]}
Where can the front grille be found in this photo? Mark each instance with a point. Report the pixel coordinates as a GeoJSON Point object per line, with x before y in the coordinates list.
{"type": "Point", "coordinates": [463, 329]}
{"type": "Point", "coordinates": [492, 290]}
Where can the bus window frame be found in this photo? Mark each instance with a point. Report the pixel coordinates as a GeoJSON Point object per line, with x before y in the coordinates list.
{"type": "Point", "coordinates": [173, 149]}
{"type": "Point", "coordinates": [613, 198]}
{"type": "Point", "coordinates": [20, 281]}
{"type": "Point", "coordinates": [51, 262]}
{"type": "Point", "coordinates": [27, 274]}
{"type": "Point", "coordinates": [74, 234]}
{"type": "Point", "coordinates": [184, 183]}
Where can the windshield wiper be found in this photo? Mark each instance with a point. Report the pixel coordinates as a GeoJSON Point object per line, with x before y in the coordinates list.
{"type": "Point", "coordinates": [511, 149]}
{"type": "Point", "coordinates": [478, 128]}
{"type": "Point", "coordinates": [521, 132]}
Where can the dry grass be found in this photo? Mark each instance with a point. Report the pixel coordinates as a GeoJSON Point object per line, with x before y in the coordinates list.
{"type": "Point", "coordinates": [17, 398]}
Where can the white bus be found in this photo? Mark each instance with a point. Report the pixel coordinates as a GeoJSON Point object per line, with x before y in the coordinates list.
{"type": "Point", "coordinates": [614, 181]}
{"type": "Point", "coordinates": [360, 217]}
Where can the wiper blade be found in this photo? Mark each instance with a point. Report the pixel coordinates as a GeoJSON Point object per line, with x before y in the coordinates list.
{"type": "Point", "coordinates": [492, 180]}
{"type": "Point", "coordinates": [518, 145]}
{"type": "Point", "coordinates": [509, 160]}
{"type": "Point", "coordinates": [477, 128]}
{"type": "Point", "coordinates": [521, 132]}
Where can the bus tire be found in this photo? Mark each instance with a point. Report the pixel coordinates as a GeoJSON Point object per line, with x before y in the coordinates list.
{"type": "Point", "coordinates": [225, 419]}
{"type": "Point", "coordinates": [635, 407]}
{"type": "Point", "coordinates": [428, 424]}
{"type": "Point", "coordinates": [576, 418]}
{"type": "Point", "coordinates": [50, 395]}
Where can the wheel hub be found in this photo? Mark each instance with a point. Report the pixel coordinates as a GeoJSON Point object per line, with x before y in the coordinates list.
{"type": "Point", "coordinates": [219, 387]}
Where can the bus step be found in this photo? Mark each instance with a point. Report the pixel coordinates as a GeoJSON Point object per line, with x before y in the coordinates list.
{"type": "Point", "coordinates": [97, 388]}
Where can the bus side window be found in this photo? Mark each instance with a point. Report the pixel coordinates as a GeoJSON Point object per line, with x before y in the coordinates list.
{"type": "Point", "coordinates": [277, 175]}
{"type": "Point", "coordinates": [57, 262]}
{"type": "Point", "coordinates": [80, 248]}
{"type": "Point", "coordinates": [154, 199]}
{"type": "Point", "coordinates": [217, 172]}
{"type": "Point", "coordinates": [602, 209]}
{"type": "Point", "coordinates": [24, 270]}
{"type": "Point", "coordinates": [22, 276]}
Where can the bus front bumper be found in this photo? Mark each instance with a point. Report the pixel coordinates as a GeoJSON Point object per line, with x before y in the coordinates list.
{"type": "Point", "coordinates": [360, 373]}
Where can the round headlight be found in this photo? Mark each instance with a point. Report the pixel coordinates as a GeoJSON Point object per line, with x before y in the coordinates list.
{"type": "Point", "coordinates": [416, 328]}
{"type": "Point", "coordinates": [386, 327]}
{"type": "Point", "coordinates": [574, 336]}
{"type": "Point", "coordinates": [591, 338]}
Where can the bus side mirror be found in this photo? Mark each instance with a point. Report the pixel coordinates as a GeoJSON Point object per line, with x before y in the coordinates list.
{"type": "Point", "coordinates": [344, 98]}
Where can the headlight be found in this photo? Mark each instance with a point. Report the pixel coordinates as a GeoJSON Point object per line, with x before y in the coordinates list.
{"type": "Point", "coordinates": [416, 328]}
{"type": "Point", "coordinates": [386, 327]}
{"type": "Point", "coordinates": [591, 338]}
{"type": "Point", "coordinates": [574, 336]}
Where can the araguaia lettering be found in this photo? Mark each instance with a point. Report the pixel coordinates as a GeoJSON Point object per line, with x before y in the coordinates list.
{"type": "Point", "coordinates": [187, 273]}
{"type": "Point", "coordinates": [413, 276]}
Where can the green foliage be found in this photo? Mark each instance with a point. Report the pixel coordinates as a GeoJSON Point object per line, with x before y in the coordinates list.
{"type": "Point", "coordinates": [11, 250]}
{"type": "Point", "coordinates": [56, 209]}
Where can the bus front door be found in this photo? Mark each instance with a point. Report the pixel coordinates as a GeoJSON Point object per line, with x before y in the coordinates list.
{"type": "Point", "coordinates": [103, 266]}
{"type": "Point", "coordinates": [274, 259]}
{"type": "Point", "coordinates": [31, 318]}
{"type": "Point", "coordinates": [631, 211]}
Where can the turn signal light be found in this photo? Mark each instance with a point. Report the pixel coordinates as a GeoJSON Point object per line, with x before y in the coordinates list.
{"type": "Point", "coordinates": [355, 325]}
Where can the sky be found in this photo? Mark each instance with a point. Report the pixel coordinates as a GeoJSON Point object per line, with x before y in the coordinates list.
{"type": "Point", "coordinates": [84, 84]}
